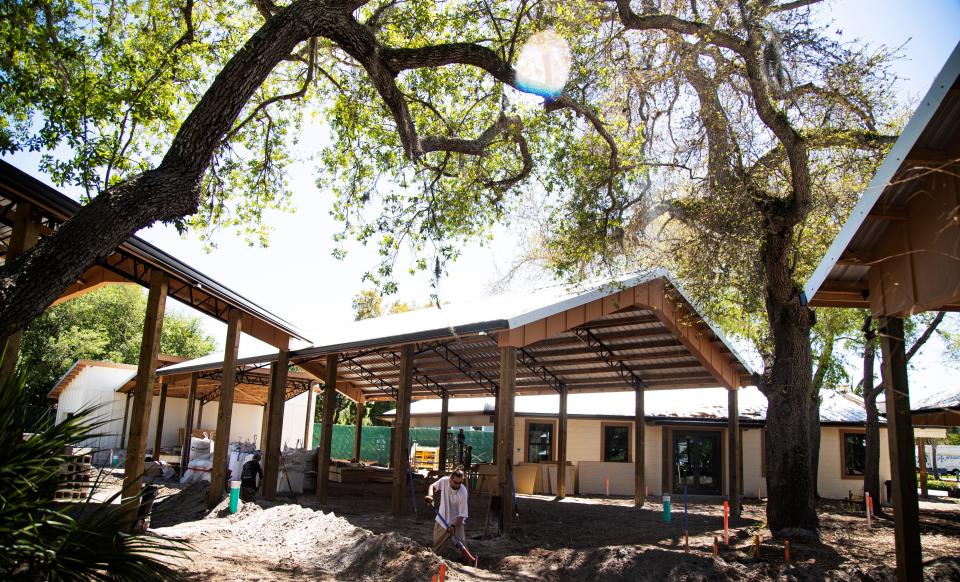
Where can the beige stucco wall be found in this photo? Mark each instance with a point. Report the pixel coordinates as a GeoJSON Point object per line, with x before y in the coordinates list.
{"type": "Point", "coordinates": [584, 439]}
{"type": "Point", "coordinates": [830, 482]}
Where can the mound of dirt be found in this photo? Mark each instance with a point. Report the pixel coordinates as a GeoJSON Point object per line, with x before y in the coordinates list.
{"type": "Point", "coordinates": [296, 540]}
{"type": "Point", "coordinates": [187, 504]}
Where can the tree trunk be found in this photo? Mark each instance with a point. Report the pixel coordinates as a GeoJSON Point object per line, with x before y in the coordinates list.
{"type": "Point", "coordinates": [787, 384]}
{"type": "Point", "coordinates": [871, 470]}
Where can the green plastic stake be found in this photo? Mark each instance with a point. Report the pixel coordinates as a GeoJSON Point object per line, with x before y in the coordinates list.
{"type": "Point", "coordinates": [234, 496]}
{"type": "Point", "coordinates": [666, 509]}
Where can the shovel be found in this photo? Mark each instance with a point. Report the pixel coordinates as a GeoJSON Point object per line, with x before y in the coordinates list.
{"type": "Point", "coordinates": [463, 547]}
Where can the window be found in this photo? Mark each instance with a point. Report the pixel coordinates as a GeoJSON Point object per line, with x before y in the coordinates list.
{"type": "Point", "coordinates": [854, 453]}
{"type": "Point", "coordinates": [539, 442]}
{"type": "Point", "coordinates": [616, 443]}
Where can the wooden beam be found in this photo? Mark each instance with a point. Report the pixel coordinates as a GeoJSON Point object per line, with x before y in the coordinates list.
{"type": "Point", "coordinates": [92, 279]}
{"type": "Point", "coordinates": [276, 398]}
{"type": "Point", "coordinates": [358, 429]}
{"type": "Point", "coordinates": [319, 371]}
{"type": "Point", "coordinates": [200, 415]}
{"type": "Point", "coordinates": [218, 473]}
{"type": "Point", "coordinates": [562, 445]}
{"type": "Point", "coordinates": [401, 431]}
{"type": "Point", "coordinates": [733, 452]}
{"type": "Point", "coordinates": [901, 443]}
{"type": "Point", "coordinates": [444, 429]}
{"type": "Point", "coordinates": [188, 424]}
{"type": "Point", "coordinates": [142, 395]}
{"type": "Point", "coordinates": [24, 235]}
{"type": "Point", "coordinates": [639, 441]}
{"type": "Point", "coordinates": [326, 429]}
{"type": "Point", "coordinates": [126, 414]}
{"type": "Point", "coordinates": [308, 421]}
{"type": "Point", "coordinates": [158, 435]}
{"type": "Point", "coordinates": [264, 426]}
{"type": "Point", "coordinates": [505, 420]}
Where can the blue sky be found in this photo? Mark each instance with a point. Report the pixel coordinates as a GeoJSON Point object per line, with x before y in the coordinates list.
{"type": "Point", "coordinates": [297, 278]}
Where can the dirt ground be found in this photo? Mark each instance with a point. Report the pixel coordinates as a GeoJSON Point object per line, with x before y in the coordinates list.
{"type": "Point", "coordinates": [354, 538]}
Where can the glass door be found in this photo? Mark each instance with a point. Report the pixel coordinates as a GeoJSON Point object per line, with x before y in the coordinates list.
{"type": "Point", "coordinates": [697, 462]}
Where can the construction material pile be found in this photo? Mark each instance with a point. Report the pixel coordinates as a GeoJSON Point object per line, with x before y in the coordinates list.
{"type": "Point", "coordinates": [298, 541]}
{"type": "Point", "coordinates": [75, 477]}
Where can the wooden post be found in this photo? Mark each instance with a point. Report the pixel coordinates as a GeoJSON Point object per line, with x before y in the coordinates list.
{"type": "Point", "coordinates": [562, 445]}
{"type": "Point", "coordinates": [639, 441]}
{"type": "Point", "coordinates": [158, 435]}
{"type": "Point", "coordinates": [308, 421]}
{"type": "Point", "coordinates": [496, 421]}
{"type": "Point", "coordinates": [400, 448]}
{"type": "Point", "coordinates": [733, 452]}
{"type": "Point", "coordinates": [902, 462]}
{"type": "Point", "coordinates": [221, 448]}
{"type": "Point", "coordinates": [922, 460]}
{"type": "Point", "coordinates": [277, 399]}
{"type": "Point", "coordinates": [126, 413]}
{"type": "Point", "coordinates": [188, 425]}
{"type": "Point", "coordinates": [143, 394]}
{"type": "Point", "coordinates": [200, 414]}
{"type": "Point", "coordinates": [508, 382]}
{"type": "Point", "coordinates": [444, 429]}
{"type": "Point", "coordinates": [265, 421]}
{"type": "Point", "coordinates": [358, 428]}
{"type": "Point", "coordinates": [23, 237]}
{"type": "Point", "coordinates": [326, 429]}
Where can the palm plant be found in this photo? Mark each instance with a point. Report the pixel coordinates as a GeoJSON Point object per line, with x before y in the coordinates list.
{"type": "Point", "coordinates": [42, 539]}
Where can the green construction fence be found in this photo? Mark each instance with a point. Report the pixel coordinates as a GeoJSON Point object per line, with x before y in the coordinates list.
{"type": "Point", "coordinates": [375, 442]}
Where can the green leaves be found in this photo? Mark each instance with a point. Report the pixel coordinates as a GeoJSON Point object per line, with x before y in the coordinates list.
{"type": "Point", "coordinates": [106, 324]}
{"type": "Point", "coordinates": [41, 539]}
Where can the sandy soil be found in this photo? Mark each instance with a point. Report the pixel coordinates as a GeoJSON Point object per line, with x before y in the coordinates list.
{"type": "Point", "coordinates": [354, 538]}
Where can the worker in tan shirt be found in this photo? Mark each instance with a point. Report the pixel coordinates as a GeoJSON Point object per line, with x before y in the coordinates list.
{"type": "Point", "coordinates": [453, 508]}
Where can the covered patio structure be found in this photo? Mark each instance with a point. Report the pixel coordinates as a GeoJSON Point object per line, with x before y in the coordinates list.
{"type": "Point", "coordinates": [899, 254]}
{"type": "Point", "coordinates": [30, 210]}
{"type": "Point", "coordinates": [639, 333]}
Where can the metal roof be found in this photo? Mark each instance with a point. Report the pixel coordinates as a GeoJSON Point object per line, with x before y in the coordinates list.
{"type": "Point", "coordinates": [928, 143]}
{"type": "Point", "coordinates": [693, 404]}
{"type": "Point", "coordinates": [457, 347]}
{"type": "Point", "coordinates": [134, 257]}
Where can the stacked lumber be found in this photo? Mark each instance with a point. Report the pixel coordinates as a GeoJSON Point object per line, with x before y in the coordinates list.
{"type": "Point", "coordinates": [75, 477]}
{"type": "Point", "coordinates": [379, 474]}
{"type": "Point", "coordinates": [348, 473]}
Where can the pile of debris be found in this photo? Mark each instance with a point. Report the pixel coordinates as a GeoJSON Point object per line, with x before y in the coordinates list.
{"type": "Point", "coordinates": [289, 538]}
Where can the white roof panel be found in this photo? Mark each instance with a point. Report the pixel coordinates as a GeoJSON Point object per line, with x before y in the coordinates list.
{"type": "Point", "coordinates": [690, 403]}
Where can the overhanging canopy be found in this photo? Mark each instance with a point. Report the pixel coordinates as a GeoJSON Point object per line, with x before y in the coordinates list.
{"type": "Point", "coordinates": [606, 337]}
{"type": "Point", "coordinates": [899, 252]}
{"type": "Point", "coordinates": [132, 261]}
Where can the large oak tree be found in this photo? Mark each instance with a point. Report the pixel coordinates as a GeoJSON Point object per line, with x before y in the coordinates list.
{"type": "Point", "coordinates": [182, 111]}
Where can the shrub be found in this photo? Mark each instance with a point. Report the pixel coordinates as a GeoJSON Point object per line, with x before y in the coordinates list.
{"type": "Point", "coordinates": [42, 539]}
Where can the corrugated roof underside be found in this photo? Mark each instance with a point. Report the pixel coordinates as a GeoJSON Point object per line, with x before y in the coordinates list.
{"type": "Point", "coordinates": [638, 342]}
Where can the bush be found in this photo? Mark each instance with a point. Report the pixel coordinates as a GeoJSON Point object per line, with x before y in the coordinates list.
{"type": "Point", "coordinates": [42, 539]}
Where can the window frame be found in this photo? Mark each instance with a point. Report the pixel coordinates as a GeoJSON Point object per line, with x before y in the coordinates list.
{"type": "Point", "coordinates": [553, 440]}
{"type": "Point", "coordinates": [843, 452]}
{"type": "Point", "coordinates": [603, 441]}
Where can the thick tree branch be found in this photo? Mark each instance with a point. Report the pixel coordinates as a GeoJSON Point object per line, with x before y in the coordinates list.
{"type": "Point", "coordinates": [793, 5]}
{"type": "Point", "coordinates": [655, 21]}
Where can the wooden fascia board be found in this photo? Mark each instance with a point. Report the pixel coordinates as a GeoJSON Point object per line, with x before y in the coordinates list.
{"type": "Point", "coordinates": [650, 295]}
{"type": "Point", "coordinates": [680, 320]}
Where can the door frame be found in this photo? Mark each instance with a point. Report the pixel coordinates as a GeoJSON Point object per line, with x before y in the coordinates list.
{"type": "Point", "coordinates": [668, 455]}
